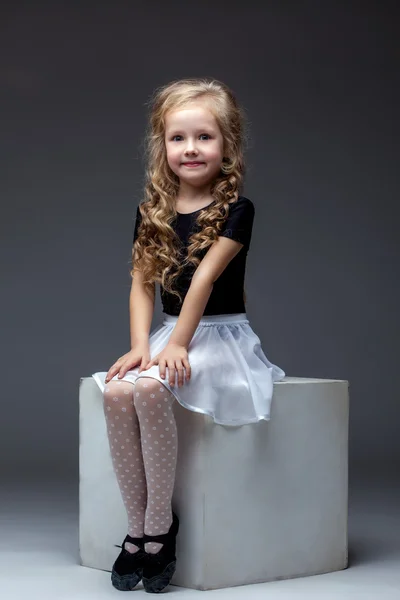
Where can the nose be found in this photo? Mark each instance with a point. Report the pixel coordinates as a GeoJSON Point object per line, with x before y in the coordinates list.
{"type": "Point", "coordinates": [190, 147]}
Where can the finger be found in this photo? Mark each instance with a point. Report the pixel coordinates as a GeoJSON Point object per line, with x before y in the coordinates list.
{"type": "Point", "coordinates": [113, 370]}
{"type": "Point", "coordinates": [123, 370]}
{"type": "Point", "coordinates": [162, 367]}
{"type": "Point", "coordinates": [188, 369]}
{"type": "Point", "coordinates": [111, 373]}
{"type": "Point", "coordinates": [171, 372]}
{"type": "Point", "coordinates": [154, 361]}
{"type": "Point", "coordinates": [179, 368]}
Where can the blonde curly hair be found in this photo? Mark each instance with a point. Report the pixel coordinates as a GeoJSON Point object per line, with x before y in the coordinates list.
{"type": "Point", "coordinates": [157, 251]}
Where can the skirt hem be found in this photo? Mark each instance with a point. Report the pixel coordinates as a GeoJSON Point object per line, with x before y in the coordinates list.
{"type": "Point", "coordinates": [202, 411]}
{"type": "Point", "coordinates": [230, 423]}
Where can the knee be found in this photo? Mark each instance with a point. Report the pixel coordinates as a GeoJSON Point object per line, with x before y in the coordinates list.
{"type": "Point", "coordinates": [149, 394]}
{"type": "Point", "coordinates": [118, 396]}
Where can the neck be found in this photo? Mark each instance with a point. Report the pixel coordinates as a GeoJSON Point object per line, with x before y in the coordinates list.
{"type": "Point", "coordinates": [188, 193]}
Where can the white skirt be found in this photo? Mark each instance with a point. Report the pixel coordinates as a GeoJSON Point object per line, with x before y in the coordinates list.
{"type": "Point", "coordinates": [231, 378]}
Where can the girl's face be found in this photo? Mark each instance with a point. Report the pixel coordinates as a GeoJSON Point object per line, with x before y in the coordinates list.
{"type": "Point", "coordinates": [192, 136]}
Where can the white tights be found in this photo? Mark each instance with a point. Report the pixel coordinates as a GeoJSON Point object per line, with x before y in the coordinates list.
{"type": "Point", "coordinates": [143, 443]}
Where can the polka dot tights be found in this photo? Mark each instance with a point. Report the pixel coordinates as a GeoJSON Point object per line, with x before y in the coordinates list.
{"type": "Point", "coordinates": [143, 442]}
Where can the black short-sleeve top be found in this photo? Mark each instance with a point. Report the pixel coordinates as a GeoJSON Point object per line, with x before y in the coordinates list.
{"type": "Point", "coordinates": [227, 294]}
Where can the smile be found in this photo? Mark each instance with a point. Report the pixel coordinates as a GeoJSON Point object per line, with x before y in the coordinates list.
{"type": "Point", "coordinates": [193, 164]}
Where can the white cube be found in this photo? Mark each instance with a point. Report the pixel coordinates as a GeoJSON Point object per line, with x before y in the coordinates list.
{"type": "Point", "coordinates": [256, 502]}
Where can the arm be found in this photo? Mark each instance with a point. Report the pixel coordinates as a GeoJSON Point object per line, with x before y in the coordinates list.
{"type": "Point", "coordinates": [141, 309]}
{"type": "Point", "coordinates": [191, 312]}
{"type": "Point", "coordinates": [213, 264]}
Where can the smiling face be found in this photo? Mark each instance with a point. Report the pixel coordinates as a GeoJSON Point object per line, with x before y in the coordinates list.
{"type": "Point", "coordinates": [192, 135]}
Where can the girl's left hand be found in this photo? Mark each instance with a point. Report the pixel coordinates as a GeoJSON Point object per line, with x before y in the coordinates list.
{"type": "Point", "coordinates": [174, 357]}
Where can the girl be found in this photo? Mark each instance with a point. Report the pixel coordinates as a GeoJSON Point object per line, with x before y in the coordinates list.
{"type": "Point", "coordinates": [192, 235]}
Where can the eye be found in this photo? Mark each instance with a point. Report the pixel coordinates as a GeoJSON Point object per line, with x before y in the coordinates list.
{"type": "Point", "coordinates": [179, 136]}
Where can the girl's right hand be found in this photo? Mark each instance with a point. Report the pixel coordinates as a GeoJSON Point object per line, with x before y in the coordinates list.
{"type": "Point", "coordinates": [139, 354]}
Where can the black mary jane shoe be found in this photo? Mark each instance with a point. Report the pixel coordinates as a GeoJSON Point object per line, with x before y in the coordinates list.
{"type": "Point", "coordinates": [127, 569]}
{"type": "Point", "coordinates": [160, 567]}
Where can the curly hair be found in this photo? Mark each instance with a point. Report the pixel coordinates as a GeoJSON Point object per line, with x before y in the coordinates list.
{"type": "Point", "coordinates": [157, 251]}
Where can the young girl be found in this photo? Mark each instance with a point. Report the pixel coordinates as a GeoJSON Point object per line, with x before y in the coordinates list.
{"type": "Point", "coordinates": [192, 235]}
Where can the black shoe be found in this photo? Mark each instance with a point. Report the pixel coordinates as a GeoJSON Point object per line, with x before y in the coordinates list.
{"type": "Point", "coordinates": [160, 567]}
{"type": "Point", "coordinates": [128, 567]}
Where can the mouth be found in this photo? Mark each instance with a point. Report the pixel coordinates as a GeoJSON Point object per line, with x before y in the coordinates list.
{"type": "Point", "coordinates": [192, 164]}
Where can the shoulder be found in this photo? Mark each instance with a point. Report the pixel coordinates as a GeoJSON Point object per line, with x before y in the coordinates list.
{"type": "Point", "coordinates": [245, 200]}
{"type": "Point", "coordinates": [238, 224]}
{"type": "Point", "coordinates": [243, 204]}
{"type": "Point", "coordinates": [242, 208]}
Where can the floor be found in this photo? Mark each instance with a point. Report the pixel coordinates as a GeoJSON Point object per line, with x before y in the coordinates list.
{"type": "Point", "coordinates": [39, 550]}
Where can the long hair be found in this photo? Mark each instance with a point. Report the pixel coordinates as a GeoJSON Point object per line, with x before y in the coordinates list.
{"type": "Point", "coordinates": [157, 251]}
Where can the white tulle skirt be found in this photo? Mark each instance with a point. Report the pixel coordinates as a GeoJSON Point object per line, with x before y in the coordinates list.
{"type": "Point", "coordinates": [231, 378]}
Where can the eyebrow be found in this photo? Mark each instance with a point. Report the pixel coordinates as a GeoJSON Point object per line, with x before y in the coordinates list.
{"type": "Point", "coordinates": [198, 130]}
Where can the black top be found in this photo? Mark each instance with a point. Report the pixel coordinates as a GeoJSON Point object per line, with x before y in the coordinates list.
{"type": "Point", "coordinates": [227, 294]}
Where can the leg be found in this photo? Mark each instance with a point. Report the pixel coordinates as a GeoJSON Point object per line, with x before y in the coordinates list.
{"type": "Point", "coordinates": [153, 403]}
{"type": "Point", "coordinates": [125, 447]}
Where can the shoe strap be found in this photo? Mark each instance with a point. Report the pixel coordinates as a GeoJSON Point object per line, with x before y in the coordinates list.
{"type": "Point", "coordinates": [162, 538]}
{"type": "Point", "coordinates": [137, 541]}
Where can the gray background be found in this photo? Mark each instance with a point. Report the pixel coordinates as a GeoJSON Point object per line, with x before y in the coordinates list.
{"type": "Point", "coordinates": [319, 82]}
